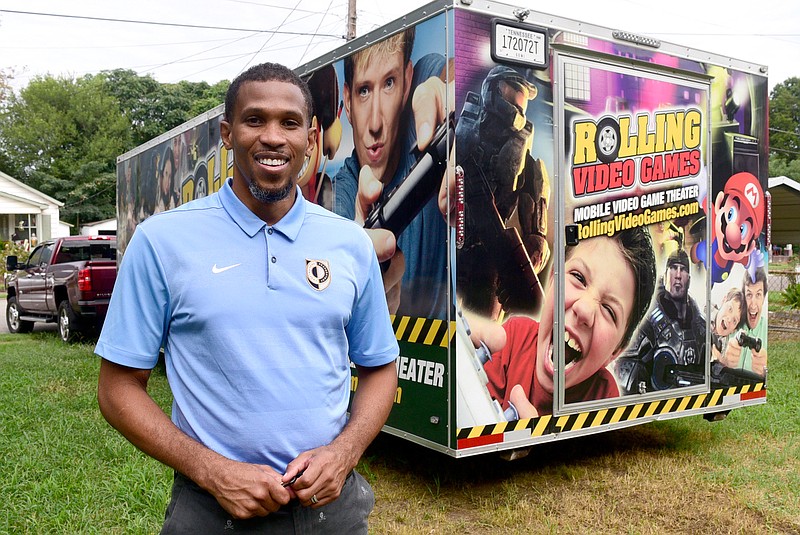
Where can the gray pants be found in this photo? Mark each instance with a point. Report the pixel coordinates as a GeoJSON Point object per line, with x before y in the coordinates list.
{"type": "Point", "coordinates": [194, 511]}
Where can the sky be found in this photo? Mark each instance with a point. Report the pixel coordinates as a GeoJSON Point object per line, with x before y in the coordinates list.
{"type": "Point", "coordinates": [224, 37]}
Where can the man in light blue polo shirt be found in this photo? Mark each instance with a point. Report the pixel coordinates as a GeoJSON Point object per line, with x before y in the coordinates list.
{"type": "Point", "coordinates": [260, 300]}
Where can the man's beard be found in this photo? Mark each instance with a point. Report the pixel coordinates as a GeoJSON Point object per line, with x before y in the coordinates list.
{"type": "Point", "coordinates": [269, 196]}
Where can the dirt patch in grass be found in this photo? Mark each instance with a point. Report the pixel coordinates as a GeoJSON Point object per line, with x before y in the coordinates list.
{"type": "Point", "coordinates": [655, 478]}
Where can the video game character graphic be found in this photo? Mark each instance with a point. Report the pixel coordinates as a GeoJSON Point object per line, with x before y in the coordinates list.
{"type": "Point", "coordinates": [738, 218]}
{"type": "Point", "coordinates": [498, 264]}
{"type": "Point", "coordinates": [315, 183]}
{"type": "Point", "coordinates": [670, 347]}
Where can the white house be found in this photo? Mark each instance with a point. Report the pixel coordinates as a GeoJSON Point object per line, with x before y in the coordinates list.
{"type": "Point", "coordinates": [104, 227]}
{"type": "Point", "coordinates": [785, 216]}
{"type": "Point", "coordinates": [28, 214]}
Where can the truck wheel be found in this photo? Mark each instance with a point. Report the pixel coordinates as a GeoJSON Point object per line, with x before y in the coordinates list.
{"type": "Point", "coordinates": [16, 325]}
{"type": "Point", "coordinates": [67, 322]}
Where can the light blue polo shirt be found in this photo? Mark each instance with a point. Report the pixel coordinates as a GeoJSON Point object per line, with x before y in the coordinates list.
{"type": "Point", "coordinates": [256, 322]}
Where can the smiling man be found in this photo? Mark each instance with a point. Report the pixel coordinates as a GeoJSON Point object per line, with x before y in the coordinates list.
{"type": "Point", "coordinates": [751, 353]}
{"type": "Point", "coordinates": [260, 300]}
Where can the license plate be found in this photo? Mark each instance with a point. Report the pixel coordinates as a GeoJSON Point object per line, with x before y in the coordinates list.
{"type": "Point", "coordinates": [519, 44]}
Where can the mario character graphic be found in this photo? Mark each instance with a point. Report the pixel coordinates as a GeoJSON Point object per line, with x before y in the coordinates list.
{"type": "Point", "coordinates": [738, 218]}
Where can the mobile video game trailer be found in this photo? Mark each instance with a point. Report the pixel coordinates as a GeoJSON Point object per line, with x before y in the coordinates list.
{"type": "Point", "coordinates": [609, 211]}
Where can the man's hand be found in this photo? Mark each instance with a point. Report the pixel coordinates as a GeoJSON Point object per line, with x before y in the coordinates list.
{"type": "Point", "coordinates": [732, 353]}
{"type": "Point", "coordinates": [429, 105]}
{"type": "Point", "coordinates": [385, 243]}
{"type": "Point", "coordinates": [248, 490]}
{"type": "Point", "coordinates": [244, 490]}
{"type": "Point", "coordinates": [759, 361]}
{"type": "Point", "coordinates": [323, 471]}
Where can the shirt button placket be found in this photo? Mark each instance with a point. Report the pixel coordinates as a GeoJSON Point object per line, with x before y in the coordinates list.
{"type": "Point", "coordinates": [268, 233]}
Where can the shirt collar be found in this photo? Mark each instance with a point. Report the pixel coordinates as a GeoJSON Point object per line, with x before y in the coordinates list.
{"type": "Point", "coordinates": [251, 224]}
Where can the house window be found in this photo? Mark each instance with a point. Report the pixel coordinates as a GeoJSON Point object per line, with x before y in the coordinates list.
{"type": "Point", "coordinates": [25, 229]}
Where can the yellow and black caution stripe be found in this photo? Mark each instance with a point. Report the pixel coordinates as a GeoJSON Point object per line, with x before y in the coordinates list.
{"type": "Point", "coordinates": [471, 437]}
{"type": "Point", "coordinates": [430, 332]}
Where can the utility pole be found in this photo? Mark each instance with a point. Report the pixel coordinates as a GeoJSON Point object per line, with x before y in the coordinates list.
{"type": "Point", "coordinates": [351, 20]}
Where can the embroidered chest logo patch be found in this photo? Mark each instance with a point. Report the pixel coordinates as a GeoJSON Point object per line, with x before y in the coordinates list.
{"type": "Point", "coordinates": [318, 274]}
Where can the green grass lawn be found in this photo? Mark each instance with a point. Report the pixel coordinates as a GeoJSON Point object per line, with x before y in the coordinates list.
{"type": "Point", "coordinates": [64, 470]}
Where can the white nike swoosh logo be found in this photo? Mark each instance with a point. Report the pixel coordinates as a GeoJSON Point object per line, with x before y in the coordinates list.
{"type": "Point", "coordinates": [216, 269]}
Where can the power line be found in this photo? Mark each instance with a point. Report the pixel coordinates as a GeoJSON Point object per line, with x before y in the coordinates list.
{"type": "Point", "coordinates": [104, 47]}
{"type": "Point", "coordinates": [155, 23]}
{"type": "Point", "coordinates": [272, 6]}
{"type": "Point", "coordinates": [787, 151]}
{"type": "Point", "coordinates": [308, 45]}
{"type": "Point", "coordinates": [269, 38]}
{"type": "Point", "coordinates": [784, 131]}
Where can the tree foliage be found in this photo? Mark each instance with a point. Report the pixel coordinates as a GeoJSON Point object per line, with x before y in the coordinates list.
{"type": "Point", "coordinates": [784, 123]}
{"type": "Point", "coordinates": [55, 125]}
{"type": "Point", "coordinates": [62, 136]}
{"type": "Point", "coordinates": [154, 108]}
{"type": "Point", "coordinates": [778, 166]}
{"type": "Point", "coordinates": [6, 75]}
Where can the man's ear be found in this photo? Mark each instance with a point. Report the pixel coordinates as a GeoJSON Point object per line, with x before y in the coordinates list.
{"type": "Point", "coordinates": [225, 133]}
{"type": "Point", "coordinates": [312, 137]}
{"type": "Point", "coordinates": [346, 93]}
{"type": "Point", "coordinates": [408, 77]}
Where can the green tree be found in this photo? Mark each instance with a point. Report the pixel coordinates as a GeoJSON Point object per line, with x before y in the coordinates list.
{"type": "Point", "coordinates": [88, 194]}
{"type": "Point", "coordinates": [139, 100]}
{"type": "Point", "coordinates": [62, 136]}
{"type": "Point", "coordinates": [779, 166]}
{"type": "Point", "coordinates": [211, 97]}
{"type": "Point", "coordinates": [56, 125]}
{"type": "Point", "coordinates": [784, 120]}
{"type": "Point", "coordinates": [6, 75]}
{"type": "Point", "coordinates": [154, 108]}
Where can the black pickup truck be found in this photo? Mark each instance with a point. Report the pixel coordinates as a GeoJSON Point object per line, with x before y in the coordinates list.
{"type": "Point", "coordinates": [68, 280]}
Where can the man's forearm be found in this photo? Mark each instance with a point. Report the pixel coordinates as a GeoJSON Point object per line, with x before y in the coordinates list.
{"type": "Point", "coordinates": [126, 405]}
{"type": "Point", "coordinates": [371, 405]}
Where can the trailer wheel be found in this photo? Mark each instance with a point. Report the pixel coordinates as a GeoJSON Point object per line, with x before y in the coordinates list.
{"type": "Point", "coordinates": [13, 312]}
{"type": "Point", "coordinates": [607, 140]}
{"type": "Point", "coordinates": [67, 323]}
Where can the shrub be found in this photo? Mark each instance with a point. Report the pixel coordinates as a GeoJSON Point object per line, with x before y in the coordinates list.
{"type": "Point", "coordinates": [8, 249]}
{"type": "Point", "coordinates": [792, 295]}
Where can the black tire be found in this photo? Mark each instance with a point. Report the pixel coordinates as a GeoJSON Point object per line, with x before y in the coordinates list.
{"type": "Point", "coordinates": [13, 312]}
{"type": "Point", "coordinates": [607, 140]}
{"type": "Point", "coordinates": [68, 328]}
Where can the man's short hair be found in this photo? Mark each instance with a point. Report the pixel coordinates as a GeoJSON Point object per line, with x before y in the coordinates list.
{"type": "Point", "coordinates": [267, 72]}
{"type": "Point", "coordinates": [760, 276]}
{"type": "Point", "coordinates": [678, 257]}
{"type": "Point", "coordinates": [402, 41]}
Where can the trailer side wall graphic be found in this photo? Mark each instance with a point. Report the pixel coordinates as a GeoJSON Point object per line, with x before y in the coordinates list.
{"type": "Point", "coordinates": [579, 212]}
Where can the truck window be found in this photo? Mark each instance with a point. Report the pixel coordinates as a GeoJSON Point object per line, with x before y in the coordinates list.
{"type": "Point", "coordinates": [40, 254]}
{"type": "Point", "coordinates": [83, 251]}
